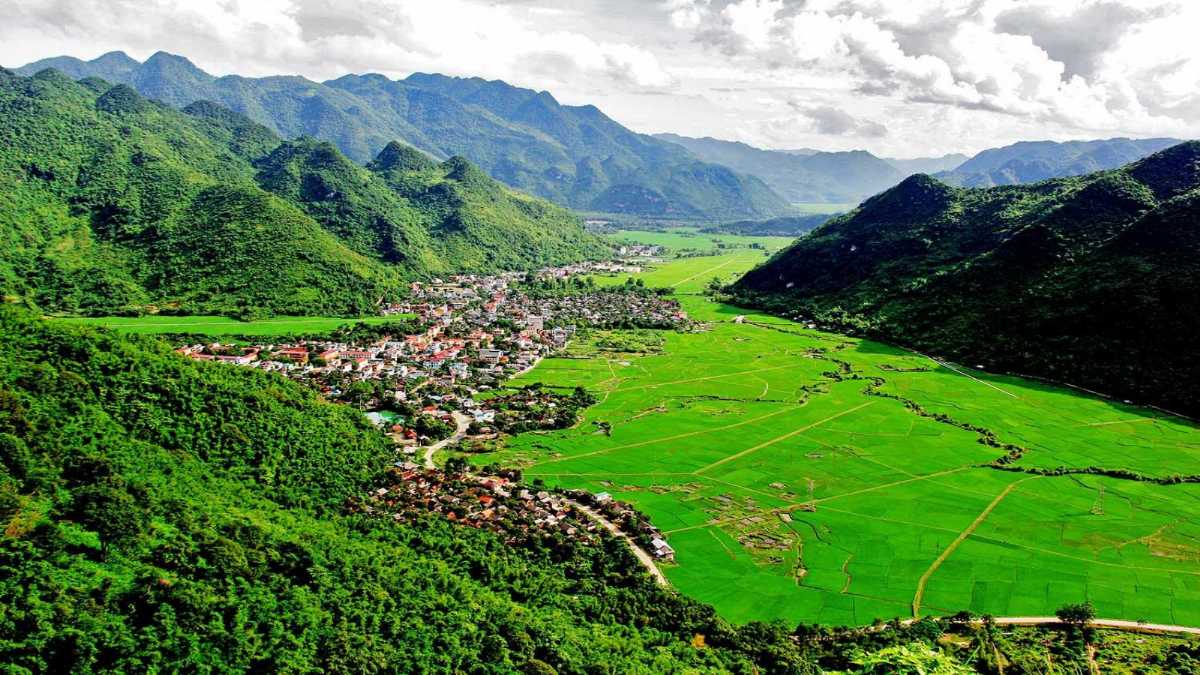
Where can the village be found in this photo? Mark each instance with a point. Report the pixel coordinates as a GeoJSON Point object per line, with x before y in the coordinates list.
{"type": "Point", "coordinates": [502, 504]}
{"type": "Point", "coordinates": [443, 380]}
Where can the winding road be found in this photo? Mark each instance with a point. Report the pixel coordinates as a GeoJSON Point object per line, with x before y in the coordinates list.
{"type": "Point", "coordinates": [642, 556]}
{"type": "Point", "coordinates": [461, 422]}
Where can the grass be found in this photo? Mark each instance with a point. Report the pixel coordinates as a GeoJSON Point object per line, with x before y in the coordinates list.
{"type": "Point", "coordinates": [220, 325]}
{"type": "Point", "coordinates": [790, 494]}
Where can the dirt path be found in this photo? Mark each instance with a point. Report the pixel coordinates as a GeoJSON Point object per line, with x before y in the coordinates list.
{"type": "Point", "coordinates": [642, 556]}
{"type": "Point", "coordinates": [920, 594]}
{"type": "Point", "coordinates": [701, 379]}
{"type": "Point", "coordinates": [949, 367]}
{"type": "Point", "coordinates": [462, 422]}
{"type": "Point", "coordinates": [1116, 624]}
{"type": "Point", "coordinates": [666, 438]}
{"type": "Point", "coordinates": [784, 437]}
{"type": "Point", "coordinates": [713, 269]}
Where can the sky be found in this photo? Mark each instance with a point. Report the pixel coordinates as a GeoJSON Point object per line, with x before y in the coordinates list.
{"type": "Point", "coordinates": [903, 78]}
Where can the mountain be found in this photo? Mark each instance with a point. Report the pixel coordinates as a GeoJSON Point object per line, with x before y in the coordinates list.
{"type": "Point", "coordinates": [1032, 161]}
{"type": "Point", "coordinates": [116, 202]}
{"type": "Point", "coordinates": [1092, 280]}
{"type": "Point", "coordinates": [573, 155]}
{"type": "Point", "coordinates": [803, 175]}
{"type": "Point", "coordinates": [930, 165]}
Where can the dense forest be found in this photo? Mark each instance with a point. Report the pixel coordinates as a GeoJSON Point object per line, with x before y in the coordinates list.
{"type": "Point", "coordinates": [1091, 280]}
{"type": "Point", "coordinates": [116, 203]}
{"type": "Point", "coordinates": [574, 155]}
{"type": "Point", "coordinates": [163, 514]}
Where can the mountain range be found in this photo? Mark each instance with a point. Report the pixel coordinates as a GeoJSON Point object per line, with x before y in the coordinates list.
{"type": "Point", "coordinates": [808, 175]}
{"type": "Point", "coordinates": [1032, 161]}
{"type": "Point", "coordinates": [116, 202]}
{"type": "Point", "coordinates": [1092, 280]}
{"type": "Point", "coordinates": [800, 175]}
{"type": "Point", "coordinates": [574, 155]}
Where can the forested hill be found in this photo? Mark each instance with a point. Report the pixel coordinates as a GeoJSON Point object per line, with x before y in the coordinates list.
{"type": "Point", "coordinates": [164, 515]}
{"type": "Point", "coordinates": [574, 155]}
{"type": "Point", "coordinates": [1092, 280]}
{"type": "Point", "coordinates": [114, 202]}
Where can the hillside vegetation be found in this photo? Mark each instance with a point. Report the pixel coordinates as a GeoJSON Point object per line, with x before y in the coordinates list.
{"type": "Point", "coordinates": [1091, 280]}
{"type": "Point", "coordinates": [574, 155]}
{"type": "Point", "coordinates": [116, 203]}
{"type": "Point", "coordinates": [166, 515]}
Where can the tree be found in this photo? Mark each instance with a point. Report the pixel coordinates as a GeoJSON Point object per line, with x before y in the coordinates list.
{"type": "Point", "coordinates": [1076, 615]}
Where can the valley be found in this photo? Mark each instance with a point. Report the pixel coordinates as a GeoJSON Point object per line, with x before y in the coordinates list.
{"type": "Point", "coordinates": [745, 337]}
{"type": "Point", "coordinates": [804, 475]}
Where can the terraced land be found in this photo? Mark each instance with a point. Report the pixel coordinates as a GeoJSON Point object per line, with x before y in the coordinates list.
{"type": "Point", "coordinates": [809, 476]}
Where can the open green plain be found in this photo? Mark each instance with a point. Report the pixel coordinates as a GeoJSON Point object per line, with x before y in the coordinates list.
{"type": "Point", "coordinates": [790, 489]}
{"type": "Point", "coordinates": [220, 325]}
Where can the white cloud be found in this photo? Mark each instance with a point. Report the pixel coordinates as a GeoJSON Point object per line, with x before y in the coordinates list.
{"type": "Point", "coordinates": [942, 75]}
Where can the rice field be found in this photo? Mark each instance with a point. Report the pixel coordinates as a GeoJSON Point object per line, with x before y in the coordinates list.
{"type": "Point", "coordinates": [790, 491]}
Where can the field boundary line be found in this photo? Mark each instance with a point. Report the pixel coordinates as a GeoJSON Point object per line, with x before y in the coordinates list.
{"type": "Point", "coordinates": [727, 263]}
{"type": "Point", "coordinates": [962, 536]}
{"type": "Point", "coordinates": [665, 438]}
{"type": "Point", "coordinates": [784, 437]}
{"type": "Point", "coordinates": [947, 366]}
{"type": "Point", "coordinates": [701, 379]}
{"type": "Point", "coordinates": [799, 505]}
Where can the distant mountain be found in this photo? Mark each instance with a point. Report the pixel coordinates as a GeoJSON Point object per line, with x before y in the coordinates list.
{"type": "Point", "coordinates": [574, 155]}
{"type": "Point", "coordinates": [1032, 161]}
{"type": "Point", "coordinates": [929, 165]}
{"type": "Point", "coordinates": [115, 202]}
{"type": "Point", "coordinates": [1093, 280]}
{"type": "Point", "coordinates": [807, 175]}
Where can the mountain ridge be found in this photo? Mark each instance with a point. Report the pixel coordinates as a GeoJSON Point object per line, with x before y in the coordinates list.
{"type": "Point", "coordinates": [1087, 279]}
{"type": "Point", "coordinates": [573, 155]}
{"type": "Point", "coordinates": [120, 203]}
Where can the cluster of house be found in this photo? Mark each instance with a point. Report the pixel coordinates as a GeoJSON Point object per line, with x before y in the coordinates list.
{"type": "Point", "coordinates": [639, 251]}
{"type": "Point", "coordinates": [615, 308]}
{"type": "Point", "coordinates": [492, 503]}
{"type": "Point", "coordinates": [629, 520]}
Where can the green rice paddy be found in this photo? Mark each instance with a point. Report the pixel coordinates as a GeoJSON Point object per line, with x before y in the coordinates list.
{"type": "Point", "coordinates": [790, 491]}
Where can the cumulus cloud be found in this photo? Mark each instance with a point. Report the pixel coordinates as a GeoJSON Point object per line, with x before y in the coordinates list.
{"type": "Point", "coordinates": [1063, 62]}
{"type": "Point", "coordinates": [943, 75]}
{"type": "Point", "coordinates": [826, 119]}
{"type": "Point", "coordinates": [322, 38]}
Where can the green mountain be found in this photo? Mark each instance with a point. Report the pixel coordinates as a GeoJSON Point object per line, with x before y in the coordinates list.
{"type": "Point", "coordinates": [117, 202]}
{"type": "Point", "coordinates": [800, 176]}
{"type": "Point", "coordinates": [573, 155]}
{"type": "Point", "coordinates": [164, 515]}
{"type": "Point", "coordinates": [1032, 161]}
{"type": "Point", "coordinates": [1091, 280]}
